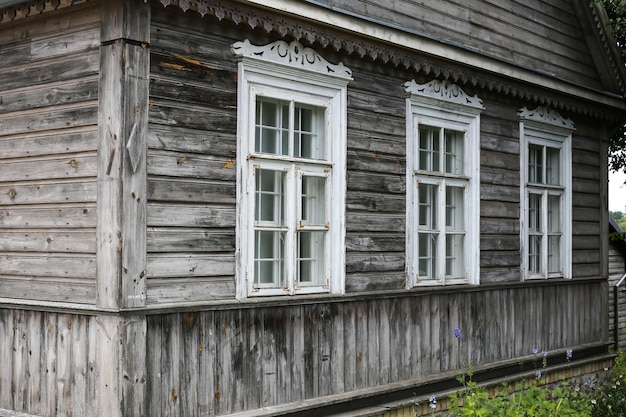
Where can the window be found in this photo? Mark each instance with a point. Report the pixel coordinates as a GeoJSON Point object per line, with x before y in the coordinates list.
{"type": "Point", "coordinates": [546, 193]}
{"type": "Point", "coordinates": [291, 171]}
{"type": "Point", "coordinates": [443, 151]}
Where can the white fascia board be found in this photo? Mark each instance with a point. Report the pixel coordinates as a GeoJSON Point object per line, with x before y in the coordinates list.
{"type": "Point", "coordinates": [476, 59]}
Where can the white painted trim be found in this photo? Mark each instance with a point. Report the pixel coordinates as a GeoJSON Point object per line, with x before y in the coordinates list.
{"type": "Point", "coordinates": [413, 41]}
{"type": "Point", "coordinates": [314, 84]}
{"type": "Point", "coordinates": [546, 127]}
{"type": "Point", "coordinates": [445, 106]}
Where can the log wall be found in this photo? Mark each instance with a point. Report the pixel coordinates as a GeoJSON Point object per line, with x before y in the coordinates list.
{"type": "Point", "coordinates": [533, 34]}
{"type": "Point", "coordinates": [48, 161]}
{"type": "Point", "coordinates": [191, 171]}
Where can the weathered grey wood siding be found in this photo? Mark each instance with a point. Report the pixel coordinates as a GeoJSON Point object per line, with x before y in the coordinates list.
{"type": "Point", "coordinates": [191, 171]}
{"type": "Point", "coordinates": [191, 161]}
{"type": "Point", "coordinates": [48, 162]}
{"type": "Point", "coordinates": [48, 363]}
{"type": "Point", "coordinates": [536, 34]}
{"type": "Point", "coordinates": [617, 298]}
{"type": "Point", "coordinates": [224, 361]}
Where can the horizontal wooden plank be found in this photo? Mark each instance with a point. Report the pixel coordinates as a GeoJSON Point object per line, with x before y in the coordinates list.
{"type": "Point", "coordinates": [175, 164]}
{"type": "Point", "coordinates": [374, 262]}
{"type": "Point", "coordinates": [47, 168]}
{"type": "Point", "coordinates": [361, 201]}
{"type": "Point", "coordinates": [191, 116]}
{"type": "Point", "coordinates": [375, 222]}
{"type": "Point", "coordinates": [502, 210]}
{"type": "Point", "coordinates": [56, 240]}
{"type": "Point", "coordinates": [65, 68]}
{"type": "Point", "coordinates": [65, 43]}
{"type": "Point", "coordinates": [192, 141]}
{"type": "Point", "coordinates": [375, 162]}
{"type": "Point", "coordinates": [190, 215]}
{"type": "Point", "coordinates": [176, 239]}
{"type": "Point", "coordinates": [174, 265]}
{"type": "Point", "coordinates": [45, 95]}
{"type": "Point", "coordinates": [64, 191]}
{"type": "Point", "coordinates": [375, 242]}
{"type": "Point", "coordinates": [79, 17]}
{"type": "Point", "coordinates": [376, 183]}
{"type": "Point", "coordinates": [190, 190]}
{"type": "Point", "coordinates": [186, 79]}
{"type": "Point", "coordinates": [494, 243]}
{"type": "Point", "coordinates": [83, 139]}
{"type": "Point", "coordinates": [48, 265]}
{"type": "Point", "coordinates": [495, 275]}
{"type": "Point", "coordinates": [56, 117]}
{"type": "Point", "coordinates": [60, 216]}
{"type": "Point", "coordinates": [500, 258]}
{"type": "Point", "coordinates": [179, 290]}
{"type": "Point", "coordinates": [375, 281]}
{"type": "Point", "coordinates": [46, 289]}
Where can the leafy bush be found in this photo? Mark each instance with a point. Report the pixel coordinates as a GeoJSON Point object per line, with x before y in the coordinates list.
{"type": "Point", "coordinates": [609, 393]}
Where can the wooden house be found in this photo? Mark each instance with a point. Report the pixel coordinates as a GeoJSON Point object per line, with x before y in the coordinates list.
{"type": "Point", "coordinates": [617, 285]}
{"type": "Point", "coordinates": [287, 207]}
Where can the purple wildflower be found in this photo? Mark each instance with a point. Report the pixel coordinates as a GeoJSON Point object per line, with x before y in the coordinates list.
{"type": "Point", "coordinates": [457, 333]}
{"type": "Point", "coordinates": [538, 374]}
{"type": "Point", "coordinates": [535, 351]}
{"type": "Point", "coordinates": [544, 353]}
{"type": "Point", "coordinates": [569, 353]}
{"type": "Point", "coordinates": [432, 402]}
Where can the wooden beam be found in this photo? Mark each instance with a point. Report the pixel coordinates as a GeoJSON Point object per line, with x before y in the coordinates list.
{"type": "Point", "coordinates": [121, 205]}
{"type": "Point", "coordinates": [122, 147]}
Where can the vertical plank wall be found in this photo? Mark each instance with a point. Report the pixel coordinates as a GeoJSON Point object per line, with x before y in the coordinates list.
{"type": "Point", "coordinates": [223, 361]}
{"type": "Point", "coordinates": [48, 163]}
{"type": "Point", "coordinates": [48, 363]}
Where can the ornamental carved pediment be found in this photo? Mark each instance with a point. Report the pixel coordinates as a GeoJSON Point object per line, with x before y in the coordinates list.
{"type": "Point", "coordinates": [292, 54]}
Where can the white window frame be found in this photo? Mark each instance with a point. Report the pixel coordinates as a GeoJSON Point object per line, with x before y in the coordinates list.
{"type": "Point", "coordinates": [545, 127]}
{"type": "Point", "coordinates": [444, 105]}
{"type": "Point", "coordinates": [294, 73]}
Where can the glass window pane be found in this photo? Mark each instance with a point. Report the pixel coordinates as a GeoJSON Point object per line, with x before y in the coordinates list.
{"type": "Point", "coordinates": [308, 132]}
{"type": "Point", "coordinates": [455, 208]}
{"type": "Point", "coordinates": [428, 148]}
{"type": "Point", "coordinates": [271, 126]}
{"type": "Point", "coordinates": [427, 255]}
{"type": "Point", "coordinates": [535, 164]}
{"type": "Point", "coordinates": [311, 257]}
{"type": "Point", "coordinates": [427, 206]}
{"type": "Point", "coordinates": [269, 197]}
{"type": "Point", "coordinates": [554, 214]}
{"type": "Point", "coordinates": [454, 152]}
{"type": "Point", "coordinates": [554, 253]}
{"type": "Point", "coordinates": [313, 200]}
{"type": "Point", "coordinates": [534, 212]}
{"type": "Point", "coordinates": [534, 253]}
{"type": "Point", "coordinates": [454, 256]}
{"type": "Point", "coordinates": [553, 166]}
{"type": "Point", "coordinates": [269, 258]}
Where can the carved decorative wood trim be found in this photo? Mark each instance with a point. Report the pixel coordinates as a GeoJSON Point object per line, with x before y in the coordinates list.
{"type": "Point", "coordinates": [546, 115]}
{"type": "Point", "coordinates": [33, 8]}
{"type": "Point", "coordinates": [292, 54]}
{"type": "Point", "coordinates": [443, 90]}
{"type": "Point", "coordinates": [327, 37]}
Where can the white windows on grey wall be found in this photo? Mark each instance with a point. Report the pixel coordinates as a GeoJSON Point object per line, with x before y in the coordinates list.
{"type": "Point", "coordinates": [291, 170]}
{"type": "Point", "coordinates": [443, 167]}
{"type": "Point", "coordinates": [546, 193]}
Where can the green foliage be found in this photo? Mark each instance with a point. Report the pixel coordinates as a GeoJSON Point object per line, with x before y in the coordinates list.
{"type": "Point", "coordinates": [535, 400]}
{"type": "Point", "coordinates": [616, 11]}
{"type": "Point", "coordinates": [620, 218]}
{"type": "Point", "coordinates": [609, 397]}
